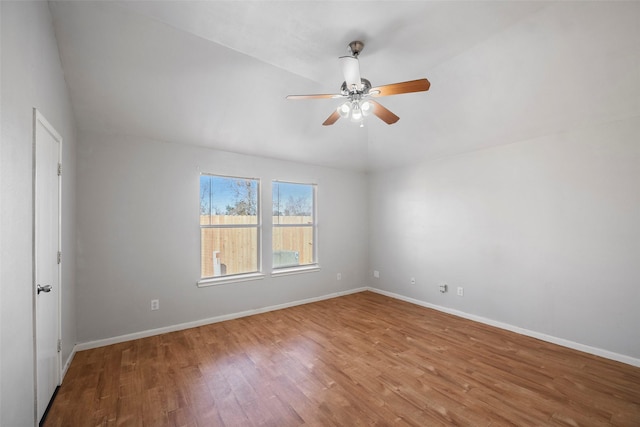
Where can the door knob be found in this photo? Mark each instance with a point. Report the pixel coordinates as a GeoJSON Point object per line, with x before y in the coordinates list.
{"type": "Point", "coordinates": [46, 288]}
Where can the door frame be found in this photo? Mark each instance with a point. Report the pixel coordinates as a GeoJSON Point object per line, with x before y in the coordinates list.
{"type": "Point", "coordinates": [39, 119]}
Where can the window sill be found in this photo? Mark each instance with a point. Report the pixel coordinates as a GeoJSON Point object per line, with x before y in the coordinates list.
{"type": "Point", "coordinates": [229, 279]}
{"type": "Point", "coordinates": [295, 270]}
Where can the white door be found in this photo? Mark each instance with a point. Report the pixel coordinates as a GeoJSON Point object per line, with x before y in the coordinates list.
{"type": "Point", "coordinates": [47, 144]}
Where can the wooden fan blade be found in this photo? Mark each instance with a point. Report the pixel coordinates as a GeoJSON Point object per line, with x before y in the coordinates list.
{"type": "Point", "coordinates": [318, 96]}
{"type": "Point", "coordinates": [420, 85]}
{"type": "Point", "coordinates": [383, 113]}
{"type": "Point", "coordinates": [351, 70]}
{"type": "Point", "coordinates": [331, 119]}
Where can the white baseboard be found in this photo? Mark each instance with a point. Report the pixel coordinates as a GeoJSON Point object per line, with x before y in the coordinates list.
{"type": "Point", "coordinates": [216, 319]}
{"type": "Point", "coordinates": [66, 365]}
{"type": "Point", "coordinates": [544, 337]}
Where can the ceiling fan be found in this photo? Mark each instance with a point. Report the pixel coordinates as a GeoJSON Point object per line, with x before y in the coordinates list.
{"type": "Point", "coordinates": [358, 92]}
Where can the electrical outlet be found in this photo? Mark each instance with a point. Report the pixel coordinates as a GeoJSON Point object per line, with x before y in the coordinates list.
{"type": "Point", "coordinates": [413, 280]}
{"type": "Point", "coordinates": [443, 287]}
{"type": "Point", "coordinates": [376, 274]}
{"type": "Point", "coordinates": [460, 291]}
{"type": "Point", "coordinates": [155, 304]}
{"type": "Point", "coordinates": [339, 276]}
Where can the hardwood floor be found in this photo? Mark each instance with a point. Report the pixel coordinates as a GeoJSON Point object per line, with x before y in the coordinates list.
{"type": "Point", "coordinates": [361, 359]}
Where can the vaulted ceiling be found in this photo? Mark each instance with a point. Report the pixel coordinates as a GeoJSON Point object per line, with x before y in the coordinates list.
{"type": "Point", "coordinates": [216, 73]}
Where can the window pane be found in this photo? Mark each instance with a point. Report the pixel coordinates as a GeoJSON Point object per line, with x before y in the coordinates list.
{"type": "Point", "coordinates": [227, 251]}
{"type": "Point", "coordinates": [292, 246]}
{"type": "Point", "coordinates": [292, 203]}
{"type": "Point", "coordinates": [226, 200]}
{"type": "Point", "coordinates": [205, 199]}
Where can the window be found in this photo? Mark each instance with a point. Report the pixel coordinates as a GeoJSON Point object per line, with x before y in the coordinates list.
{"type": "Point", "coordinates": [294, 225]}
{"type": "Point", "coordinates": [229, 226]}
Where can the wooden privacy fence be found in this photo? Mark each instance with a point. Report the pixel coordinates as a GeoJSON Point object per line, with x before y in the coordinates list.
{"type": "Point", "coordinates": [236, 249]}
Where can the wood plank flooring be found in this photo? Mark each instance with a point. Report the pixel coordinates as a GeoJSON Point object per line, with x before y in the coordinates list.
{"type": "Point", "coordinates": [361, 359]}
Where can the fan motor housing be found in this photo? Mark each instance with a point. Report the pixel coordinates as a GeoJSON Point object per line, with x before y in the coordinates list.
{"type": "Point", "coordinates": [366, 85]}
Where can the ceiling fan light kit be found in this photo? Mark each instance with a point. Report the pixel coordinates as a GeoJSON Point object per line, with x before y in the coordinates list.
{"type": "Point", "coordinates": [355, 110]}
{"type": "Point", "coordinates": [357, 90]}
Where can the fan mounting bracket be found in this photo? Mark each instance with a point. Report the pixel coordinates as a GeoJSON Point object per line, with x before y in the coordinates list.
{"type": "Point", "coordinates": [356, 47]}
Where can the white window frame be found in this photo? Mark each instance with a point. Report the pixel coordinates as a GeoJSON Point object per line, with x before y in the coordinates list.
{"type": "Point", "coordinates": [240, 277]}
{"type": "Point", "coordinates": [314, 266]}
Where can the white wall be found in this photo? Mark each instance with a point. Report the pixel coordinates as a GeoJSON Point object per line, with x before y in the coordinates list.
{"type": "Point", "coordinates": [31, 77]}
{"type": "Point", "coordinates": [543, 234]}
{"type": "Point", "coordinates": [138, 235]}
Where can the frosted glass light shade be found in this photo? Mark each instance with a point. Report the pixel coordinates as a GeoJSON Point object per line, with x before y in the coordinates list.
{"type": "Point", "coordinates": [344, 110]}
{"type": "Point", "coordinates": [366, 107]}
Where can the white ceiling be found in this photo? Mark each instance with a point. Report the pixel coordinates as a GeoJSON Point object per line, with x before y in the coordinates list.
{"type": "Point", "coordinates": [216, 73]}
